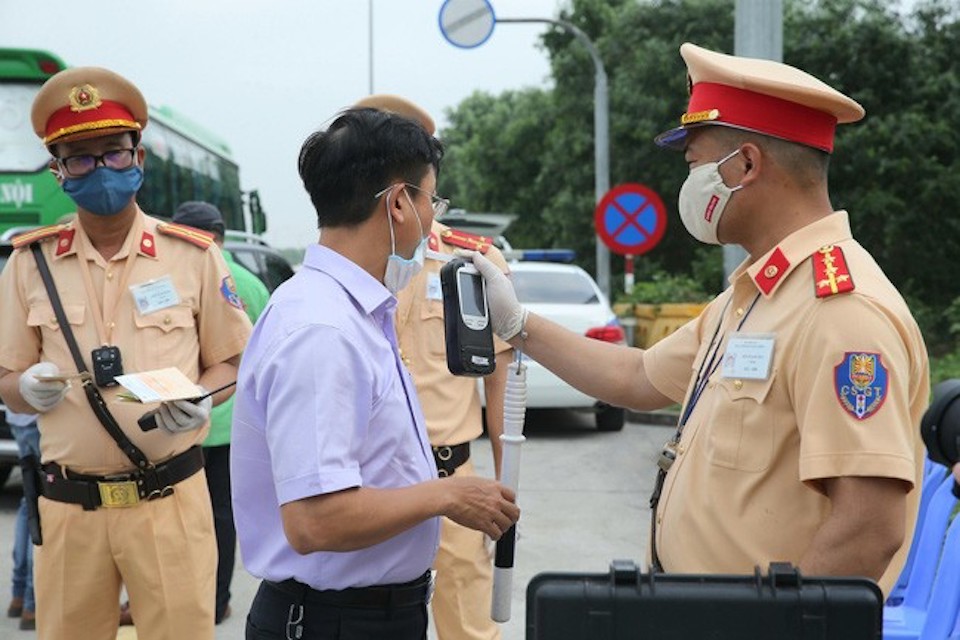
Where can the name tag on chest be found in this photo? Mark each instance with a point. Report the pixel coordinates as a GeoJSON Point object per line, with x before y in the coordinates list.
{"type": "Point", "coordinates": [748, 356]}
{"type": "Point", "coordinates": [155, 295]}
{"type": "Point", "coordinates": [434, 292]}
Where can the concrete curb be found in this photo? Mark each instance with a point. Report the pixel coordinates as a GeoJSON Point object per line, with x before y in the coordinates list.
{"type": "Point", "coordinates": [663, 418]}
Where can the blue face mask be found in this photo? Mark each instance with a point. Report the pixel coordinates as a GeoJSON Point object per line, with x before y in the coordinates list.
{"type": "Point", "coordinates": [104, 191]}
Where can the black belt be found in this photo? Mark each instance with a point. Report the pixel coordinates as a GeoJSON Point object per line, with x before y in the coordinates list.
{"type": "Point", "coordinates": [450, 457]}
{"type": "Point", "coordinates": [385, 596]}
{"type": "Point", "coordinates": [121, 490]}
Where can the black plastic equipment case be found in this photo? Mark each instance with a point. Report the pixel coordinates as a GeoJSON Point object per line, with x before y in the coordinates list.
{"type": "Point", "coordinates": [627, 604]}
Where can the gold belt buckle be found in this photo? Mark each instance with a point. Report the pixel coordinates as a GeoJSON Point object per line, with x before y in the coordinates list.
{"type": "Point", "coordinates": [118, 495]}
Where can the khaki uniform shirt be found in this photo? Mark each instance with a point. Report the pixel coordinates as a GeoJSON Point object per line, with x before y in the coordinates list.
{"type": "Point", "coordinates": [206, 327]}
{"type": "Point", "coordinates": [450, 403]}
{"type": "Point", "coordinates": [744, 489]}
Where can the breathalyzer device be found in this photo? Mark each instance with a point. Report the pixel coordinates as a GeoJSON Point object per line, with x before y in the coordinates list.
{"type": "Point", "coordinates": [466, 320]}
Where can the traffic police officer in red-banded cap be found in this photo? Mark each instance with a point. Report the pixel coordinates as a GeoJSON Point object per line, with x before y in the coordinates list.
{"type": "Point", "coordinates": [802, 383]}
{"type": "Point", "coordinates": [143, 295]}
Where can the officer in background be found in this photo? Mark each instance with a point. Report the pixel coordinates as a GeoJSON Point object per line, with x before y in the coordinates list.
{"type": "Point", "coordinates": [802, 383]}
{"type": "Point", "coordinates": [451, 406]}
{"type": "Point", "coordinates": [138, 295]}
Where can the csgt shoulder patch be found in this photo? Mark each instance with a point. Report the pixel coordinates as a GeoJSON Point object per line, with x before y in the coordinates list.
{"type": "Point", "coordinates": [861, 381]}
{"type": "Point", "coordinates": [229, 292]}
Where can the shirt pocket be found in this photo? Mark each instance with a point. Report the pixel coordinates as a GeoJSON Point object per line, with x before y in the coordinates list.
{"type": "Point", "coordinates": [42, 316]}
{"type": "Point", "coordinates": [742, 429]}
{"type": "Point", "coordinates": [432, 332]}
{"type": "Point", "coordinates": [164, 331]}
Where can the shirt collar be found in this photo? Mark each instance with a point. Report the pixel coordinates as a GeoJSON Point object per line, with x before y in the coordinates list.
{"type": "Point", "coordinates": [772, 268]}
{"type": "Point", "coordinates": [368, 292]}
{"type": "Point", "coordinates": [68, 239]}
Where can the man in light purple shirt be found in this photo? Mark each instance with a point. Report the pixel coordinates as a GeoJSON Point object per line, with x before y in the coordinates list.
{"type": "Point", "coordinates": [335, 490]}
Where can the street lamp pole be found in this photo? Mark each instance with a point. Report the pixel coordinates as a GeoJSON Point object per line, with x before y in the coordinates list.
{"type": "Point", "coordinates": [601, 132]}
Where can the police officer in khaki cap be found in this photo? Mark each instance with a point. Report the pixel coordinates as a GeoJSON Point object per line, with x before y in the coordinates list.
{"type": "Point", "coordinates": [802, 383]}
{"type": "Point", "coordinates": [451, 406]}
{"type": "Point", "coordinates": [119, 504]}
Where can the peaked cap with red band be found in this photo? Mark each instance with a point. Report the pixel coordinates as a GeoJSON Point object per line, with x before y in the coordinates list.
{"type": "Point", "coordinates": [757, 95]}
{"type": "Point", "coordinates": [87, 102]}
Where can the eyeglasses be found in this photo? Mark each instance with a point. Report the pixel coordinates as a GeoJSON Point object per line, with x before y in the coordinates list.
{"type": "Point", "coordinates": [440, 205]}
{"type": "Point", "coordinates": [78, 166]}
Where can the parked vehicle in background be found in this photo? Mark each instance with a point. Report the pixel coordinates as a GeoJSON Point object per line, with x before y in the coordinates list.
{"type": "Point", "coordinates": [184, 160]}
{"type": "Point", "coordinates": [567, 295]}
{"type": "Point", "coordinates": [257, 256]}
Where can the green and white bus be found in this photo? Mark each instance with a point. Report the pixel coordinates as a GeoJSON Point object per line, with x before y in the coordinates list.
{"type": "Point", "coordinates": [184, 161]}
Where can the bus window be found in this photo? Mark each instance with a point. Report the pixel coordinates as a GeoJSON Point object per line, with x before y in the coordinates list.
{"type": "Point", "coordinates": [20, 150]}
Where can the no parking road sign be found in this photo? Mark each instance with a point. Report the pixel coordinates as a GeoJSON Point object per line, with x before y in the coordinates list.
{"type": "Point", "coordinates": [631, 219]}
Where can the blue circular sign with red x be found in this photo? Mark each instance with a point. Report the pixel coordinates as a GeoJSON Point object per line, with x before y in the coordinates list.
{"type": "Point", "coordinates": [630, 219]}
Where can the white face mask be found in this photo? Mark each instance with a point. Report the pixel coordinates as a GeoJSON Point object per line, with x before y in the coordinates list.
{"type": "Point", "coordinates": [703, 197]}
{"type": "Point", "coordinates": [400, 271]}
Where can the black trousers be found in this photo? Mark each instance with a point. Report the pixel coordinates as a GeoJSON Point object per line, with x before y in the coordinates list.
{"type": "Point", "coordinates": [276, 615]}
{"type": "Point", "coordinates": [217, 466]}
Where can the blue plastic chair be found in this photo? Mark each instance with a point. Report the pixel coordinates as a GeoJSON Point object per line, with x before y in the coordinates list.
{"type": "Point", "coordinates": [934, 475]}
{"type": "Point", "coordinates": [905, 621]}
{"type": "Point", "coordinates": [945, 596]}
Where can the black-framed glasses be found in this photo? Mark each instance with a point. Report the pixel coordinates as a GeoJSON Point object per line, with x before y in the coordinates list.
{"type": "Point", "coordinates": [440, 205]}
{"type": "Point", "coordinates": [82, 165]}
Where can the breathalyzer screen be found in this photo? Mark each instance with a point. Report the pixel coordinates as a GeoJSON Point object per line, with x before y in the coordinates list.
{"type": "Point", "coordinates": [471, 294]}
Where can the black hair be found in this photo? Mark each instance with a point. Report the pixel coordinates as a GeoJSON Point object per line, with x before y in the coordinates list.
{"type": "Point", "coordinates": [807, 166]}
{"type": "Point", "coordinates": [362, 152]}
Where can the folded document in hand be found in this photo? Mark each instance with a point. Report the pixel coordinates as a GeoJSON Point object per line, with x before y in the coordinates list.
{"type": "Point", "coordinates": [160, 385]}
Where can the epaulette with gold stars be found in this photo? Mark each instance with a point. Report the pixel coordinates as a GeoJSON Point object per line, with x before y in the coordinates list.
{"type": "Point", "coordinates": [195, 237]}
{"type": "Point", "coordinates": [466, 240]}
{"type": "Point", "coordinates": [43, 233]}
{"type": "Point", "coordinates": [830, 273]}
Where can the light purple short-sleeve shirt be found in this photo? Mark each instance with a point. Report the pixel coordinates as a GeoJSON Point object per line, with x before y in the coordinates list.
{"type": "Point", "coordinates": [323, 404]}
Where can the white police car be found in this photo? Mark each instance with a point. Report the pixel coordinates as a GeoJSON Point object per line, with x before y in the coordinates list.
{"type": "Point", "coordinates": [567, 295]}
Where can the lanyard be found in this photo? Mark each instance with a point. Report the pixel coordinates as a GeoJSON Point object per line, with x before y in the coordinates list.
{"type": "Point", "coordinates": [709, 365]}
{"type": "Point", "coordinates": [104, 323]}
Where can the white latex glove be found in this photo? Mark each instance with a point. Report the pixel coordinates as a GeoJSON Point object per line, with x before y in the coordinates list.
{"type": "Point", "coordinates": [507, 315]}
{"type": "Point", "coordinates": [178, 416]}
{"type": "Point", "coordinates": [39, 394]}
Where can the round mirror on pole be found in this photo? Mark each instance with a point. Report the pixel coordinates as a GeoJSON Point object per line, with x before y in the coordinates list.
{"type": "Point", "coordinates": [467, 23]}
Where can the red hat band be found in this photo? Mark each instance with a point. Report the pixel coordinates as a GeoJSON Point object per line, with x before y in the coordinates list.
{"type": "Point", "coordinates": [108, 114]}
{"type": "Point", "coordinates": [720, 103]}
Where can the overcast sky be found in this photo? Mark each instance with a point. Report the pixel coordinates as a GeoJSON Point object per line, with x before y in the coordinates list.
{"type": "Point", "coordinates": [263, 74]}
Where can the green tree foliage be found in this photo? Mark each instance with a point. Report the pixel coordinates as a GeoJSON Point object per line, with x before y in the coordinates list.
{"type": "Point", "coordinates": [897, 172]}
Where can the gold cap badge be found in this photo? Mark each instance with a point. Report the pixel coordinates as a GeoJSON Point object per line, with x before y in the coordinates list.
{"type": "Point", "coordinates": [84, 98]}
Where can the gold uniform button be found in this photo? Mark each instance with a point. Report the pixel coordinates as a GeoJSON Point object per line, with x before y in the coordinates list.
{"type": "Point", "coordinates": [771, 271]}
{"type": "Point", "coordinates": [109, 275]}
{"type": "Point", "coordinates": [738, 384]}
{"type": "Point", "coordinates": [167, 320]}
{"type": "Point", "coordinates": [739, 311]}
{"type": "Point", "coordinates": [680, 450]}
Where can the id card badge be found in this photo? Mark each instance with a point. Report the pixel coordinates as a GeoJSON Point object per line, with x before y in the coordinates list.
{"type": "Point", "coordinates": [154, 295]}
{"type": "Point", "coordinates": [748, 356]}
{"type": "Point", "coordinates": [434, 291]}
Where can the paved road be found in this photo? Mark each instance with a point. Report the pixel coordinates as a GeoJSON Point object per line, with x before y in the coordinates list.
{"type": "Point", "coordinates": [583, 494]}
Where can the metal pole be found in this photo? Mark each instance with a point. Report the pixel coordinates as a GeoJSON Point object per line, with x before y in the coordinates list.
{"type": "Point", "coordinates": [370, 43]}
{"type": "Point", "coordinates": [601, 133]}
{"type": "Point", "coordinates": [757, 33]}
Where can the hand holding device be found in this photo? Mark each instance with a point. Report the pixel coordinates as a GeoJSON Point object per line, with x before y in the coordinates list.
{"type": "Point", "coordinates": [506, 313]}
{"type": "Point", "coordinates": [42, 395]}
{"type": "Point", "coordinates": [466, 320]}
{"type": "Point", "coordinates": [151, 419]}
